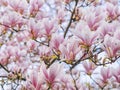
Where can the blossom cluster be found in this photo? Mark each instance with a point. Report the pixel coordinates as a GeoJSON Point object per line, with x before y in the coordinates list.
{"type": "Point", "coordinates": [59, 44]}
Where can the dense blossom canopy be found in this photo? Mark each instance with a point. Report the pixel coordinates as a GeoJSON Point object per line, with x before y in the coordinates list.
{"type": "Point", "coordinates": [59, 45]}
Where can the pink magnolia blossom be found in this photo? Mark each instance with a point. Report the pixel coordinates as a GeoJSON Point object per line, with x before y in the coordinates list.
{"type": "Point", "coordinates": [105, 76]}
{"type": "Point", "coordinates": [41, 14]}
{"type": "Point", "coordinates": [89, 67]}
{"type": "Point", "coordinates": [34, 29]}
{"type": "Point", "coordinates": [66, 1]}
{"type": "Point", "coordinates": [19, 68]}
{"type": "Point", "coordinates": [113, 1]}
{"type": "Point", "coordinates": [107, 29]}
{"type": "Point", "coordinates": [11, 19]}
{"type": "Point", "coordinates": [52, 75]}
{"type": "Point", "coordinates": [116, 74]}
{"type": "Point", "coordinates": [112, 11]}
{"type": "Point", "coordinates": [32, 45]}
{"type": "Point", "coordinates": [67, 82]}
{"type": "Point", "coordinates": [35, 5]}
{"type": "Point", "coordinates": [60, 16]}
{"type": "Point", "coordinates": [56, 41]}
{"type": "Point", "coordinates": [117, 33]}
{"type": "Point", "coordinates": [45, 52]}
{"type": "Point", "coordinates": [4, 56]}
{"type": "Point", "coordinates": [93, 20]}
{"type": "Point", "coordinates": [112, 46]}
{"type": "Point", "coordinates": [69, 50]}
{"type": "Point", "coordinates": [49, 27]}
{"type": "Point", "coordinates": [15, 53]}
{"type": "Point", "coordinates": [19, 5]}
{"type": "Point", "coordinates": [35, 81]}
{"type": "Point", "coordinates": [4, 2]}
{"type": "Point", "coordinates": [58, 2]}
{"type": "Point", "coordinates": [82, 30]}
{"type": "Point", "coordinates": [22, 36]}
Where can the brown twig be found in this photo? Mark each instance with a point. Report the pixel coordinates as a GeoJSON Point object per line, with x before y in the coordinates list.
{"type": "Point", "coordinates": [10, 27]}
{"type": "Point", "coordinates": [74, 80]}
{"type": "Point", "coordinates": [96, 82]}
{"type": "Point", "coordinates": [4, 68]}
{"type": "Point", "coordinates": [76, 63]}
{"type": "Point", "coordinates": [71, 18]}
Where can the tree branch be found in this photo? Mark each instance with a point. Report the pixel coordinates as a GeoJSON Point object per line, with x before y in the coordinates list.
{"type": "Point", "coordinates": [4, 68]}
{"type": "Point", "coordinates": [76, 63]}
{"type": "Point", "coordinates": [71, 18]}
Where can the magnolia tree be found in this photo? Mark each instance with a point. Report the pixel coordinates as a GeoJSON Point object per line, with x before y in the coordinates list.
{"type": "Point", "coordinates": [59, 44]}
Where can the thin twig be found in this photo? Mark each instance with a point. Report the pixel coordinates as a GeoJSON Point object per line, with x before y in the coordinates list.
{"type": "Point", "coordinates": [74, 80]}
{"type": "Point", "coordinates": [71, 18]}
{"type": "Point", "coordinates": [4, 68]}
{"type": "Point", "coordinates": [76, 63]}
